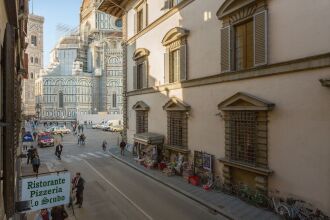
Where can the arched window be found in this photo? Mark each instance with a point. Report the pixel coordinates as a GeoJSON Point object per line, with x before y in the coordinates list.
{"type": "Point", "coordinates": [36, 60]}
{"type": "Point", "coordinates": [31, 59]}
{"type": "Point", "coordinates": [31, 75]}
{"type": "Point", "coordinates": [60, 99]}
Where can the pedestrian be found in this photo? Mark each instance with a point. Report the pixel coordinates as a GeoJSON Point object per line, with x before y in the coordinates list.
{"type": "Point", "coordinates": [59, 213]}
{"type": "Point", "coordinates": [35, 136]}
{"type": "Point", "coordinates": [44, 214]}
{"type": "Point", "coordinates": [58, 150]}
{"type": "Point", "coordinates": [78, 138]}
{"type": "Point", "coordinates": [122, 147]}
{"type": "Point", "coordinates": [29, 154]}
{"type": "Point", "coordinates": [82, 129]}
{"type": "Point", "coordinates": [104, 145]}
{"type": "Point", "coordinates": [78, 184]}
{"type": "Point", "coordinates": [36, 163]}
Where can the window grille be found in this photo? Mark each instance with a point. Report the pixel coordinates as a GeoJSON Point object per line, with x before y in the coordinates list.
{"type": "Point", "coordinates": [242, 136]}
{"type": "Point", "coordinates": [141, 121]}
{"type": "Point", "coordinates": [176, 123]}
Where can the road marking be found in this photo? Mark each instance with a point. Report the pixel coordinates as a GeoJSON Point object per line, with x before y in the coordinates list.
{"type": "Point", "coordinates": [102, 153]}
{"type": "Point", "coordinates": [74, 157]}
{"type": "Point", "coordinates": [50, 167]}
{"type": "Point", "coordinates": [118, 190]}
{"type": "Point", "coordinates": [66, 159]}
{"type": "Point", "coordinates": [94, 155]}
{"type": "Point", "coordinates": [83, 155]}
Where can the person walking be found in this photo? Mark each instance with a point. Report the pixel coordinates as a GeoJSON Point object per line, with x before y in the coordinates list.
{"type": "Point", "coordinates": [122, 147]}
{"type": "Point", "coordinates": [44, 214]}
{"type": "Point", "coordinates": [104, 145]}
{"type": "Point", "coordinates": [59, 213]}
{"type": "Point", "coordinates": [36, 163]}
{"type": "Point", "coordinates": [58, 150]}
{"type": "Point", "coordinates": [82, 129]}
{"type": "Point", "coordinates": [35, 136]}
{"type": "Point", "coordinates": [29, 155]}
{"type": "Point", "coordinates": [78, 184]}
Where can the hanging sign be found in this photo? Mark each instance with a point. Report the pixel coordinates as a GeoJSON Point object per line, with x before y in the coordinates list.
{"type": "Point", "coordinates": [46, 191]}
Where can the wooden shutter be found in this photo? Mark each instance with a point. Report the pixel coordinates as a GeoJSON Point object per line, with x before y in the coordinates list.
{"type": "Point", "coordinates": [167, 4]}
{"type": "Point", "coordinates": [225, 49]}
{"type": "Point", "coordinates": [145, 74]}
{"type": "Point", "coordinates": [135, 22]}
{"type": "Point", "coordinates": [183, 62]}
{"type": "Point", "coordinates": [145, 15]}
{"type": "Point", "coordinates": [167, 67]}
{"type": "Point", "coordinates": [260, 38]}
{"type": "Point", "coordinates": [9, 117]}
{"type": "Point", "coordinates": [134, 77]}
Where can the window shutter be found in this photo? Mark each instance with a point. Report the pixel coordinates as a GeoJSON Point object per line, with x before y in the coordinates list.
{"type": "Point", "coordinates": [167, 4]}
{"type": "Point", "coordinates": [135, 77]}
{"type": "Point", "coordinates": [225, 49]}
{"type": "Point", "coordinates": [260, 38]}
{"type": "Point", "coordinates": [145, 74]}
{"type": "Point", "coordinates": [145, 15]}
{"type": "Point", "coordinates": [167, 67]}
{"type": "Point", "coordinates": [135, 22]}
{"type": "Point", "coordinates": [183, 62]}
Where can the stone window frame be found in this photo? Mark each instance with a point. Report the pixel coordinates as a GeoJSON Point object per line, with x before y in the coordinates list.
{"type": "Point", "coordinates": [234, 12]}
{"type": "Point", "coordinates": [175, 40]}
{"type": "Point", "coordinates": [34, 40]}
{"type": "Point", "coordinates": [243, 102]}
{"type": "Point", "coordinates": [175, 107]}
{"type": "Point", "coordinates": [141, 111]}
{"type": "Point", "coordinates": [140, 57]}
{"type": "Point", "coordinates": [141, 6]}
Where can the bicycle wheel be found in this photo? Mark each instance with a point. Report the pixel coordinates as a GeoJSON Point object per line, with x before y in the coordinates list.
{"type": "Point", "coordinates": [284, 211]}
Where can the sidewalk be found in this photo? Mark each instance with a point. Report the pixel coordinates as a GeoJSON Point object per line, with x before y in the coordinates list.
{"type": "Point", "coordinates": [227, 205]}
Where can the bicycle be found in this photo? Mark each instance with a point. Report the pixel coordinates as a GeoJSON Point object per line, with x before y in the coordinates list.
{"type": "Point", "coordinates": [280, 207]}
{"type": "Point", "coordinates": [217, 185]}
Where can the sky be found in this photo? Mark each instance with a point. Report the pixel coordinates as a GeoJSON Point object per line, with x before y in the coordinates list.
{"type": "Point", "coordinates": [63, 13]}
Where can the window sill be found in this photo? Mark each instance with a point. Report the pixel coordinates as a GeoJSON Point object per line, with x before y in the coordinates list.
{"type": "Point", "coordinates": [258, 170]}
{"type": "Point", "coordinates": [183, 150]}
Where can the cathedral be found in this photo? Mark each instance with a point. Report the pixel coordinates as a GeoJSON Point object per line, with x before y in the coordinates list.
{"type": "Point", "coordinates": [84, 75]}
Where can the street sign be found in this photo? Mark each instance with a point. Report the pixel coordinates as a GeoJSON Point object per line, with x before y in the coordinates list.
{"type": "Point", "coordinates": [27, 138]}
{"type": "Point", "coordinates": [46, 190]}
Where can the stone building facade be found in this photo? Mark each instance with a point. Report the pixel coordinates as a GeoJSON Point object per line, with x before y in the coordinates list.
{"type": "Point", "coordinates": [35, 53]}
{"type": "Point", "coordinates": [246, 81]}
{"type": "Point", "coordinates": [85, 72]}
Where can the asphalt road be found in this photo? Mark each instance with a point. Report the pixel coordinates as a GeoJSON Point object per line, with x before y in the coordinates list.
{"type": "Point", "coordinates": [115, 191]}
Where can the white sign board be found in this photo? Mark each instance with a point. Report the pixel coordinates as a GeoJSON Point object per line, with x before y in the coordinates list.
{"type": "Point", "coordinates": [46, 191]}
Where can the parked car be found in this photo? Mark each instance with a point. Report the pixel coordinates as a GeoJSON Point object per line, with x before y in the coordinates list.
{"type": "Point", "coordinates": [107, 128]}
{"type": "Point", "coordinates": [94, 126]}
{"type": "Point", "coordinates": [45, 140]}
{"type": "Point", "coordinates": [63, 130]}
{"type": "Point", "coordinates": [116, 128]}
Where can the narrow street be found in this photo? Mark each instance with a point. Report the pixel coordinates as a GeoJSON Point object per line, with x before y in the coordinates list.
{"type": "Point", "coordinates": [115, 191]}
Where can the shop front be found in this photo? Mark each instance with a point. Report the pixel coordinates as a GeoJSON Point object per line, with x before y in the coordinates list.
{"type": "Point", "coordinates": [148, 148]}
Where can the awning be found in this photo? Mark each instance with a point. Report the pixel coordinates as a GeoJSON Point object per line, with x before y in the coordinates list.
{"type": "Point", "coordinates": [149, 138]}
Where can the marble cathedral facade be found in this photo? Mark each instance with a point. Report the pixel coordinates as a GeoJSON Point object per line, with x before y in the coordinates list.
{"type": "Point", "coordinates": [85, 72]}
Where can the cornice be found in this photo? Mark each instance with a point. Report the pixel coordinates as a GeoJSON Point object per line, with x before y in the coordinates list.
{"type": "Point", "coordinates": [293, 66]}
